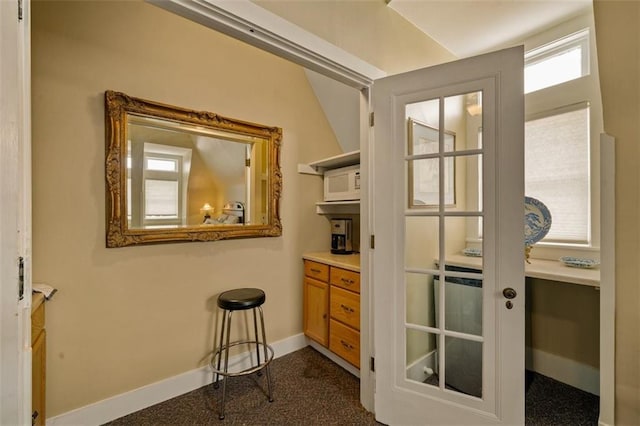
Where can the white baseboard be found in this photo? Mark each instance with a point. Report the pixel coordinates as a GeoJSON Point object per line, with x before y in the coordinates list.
{"type": "Point", "coordinates": [573, 373]}
{"type": "Point", "coordinates": [128, 402]}
{"type": "Point", "coordinates": [415, 371]}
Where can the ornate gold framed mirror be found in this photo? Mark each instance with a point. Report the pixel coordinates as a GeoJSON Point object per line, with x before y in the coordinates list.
{"type": "Point", "coordinates": [174, 174]}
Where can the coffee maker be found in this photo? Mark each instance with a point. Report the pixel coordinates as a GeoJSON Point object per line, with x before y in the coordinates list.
{"type": "Point", "coordinates": [341, 234]}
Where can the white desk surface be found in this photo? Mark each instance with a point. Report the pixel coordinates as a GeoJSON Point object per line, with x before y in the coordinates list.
{"type": "Point", "coordinates": [553, 270]}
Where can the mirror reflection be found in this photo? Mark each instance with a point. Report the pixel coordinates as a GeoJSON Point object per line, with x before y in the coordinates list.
{"type": "Point", "coordinates": [180, 175]}
{"type": "Point", "coordinates": [184, 177]}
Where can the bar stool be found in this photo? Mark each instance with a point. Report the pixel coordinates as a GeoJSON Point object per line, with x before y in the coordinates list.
{"type": "Point", "coordinates": [239, 300]}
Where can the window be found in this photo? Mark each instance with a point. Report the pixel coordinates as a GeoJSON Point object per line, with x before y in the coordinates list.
{"type": "Point", "coordinates": [162, 188]}
{"type": "Point", "coordinates": [558, 62]}
{"type": "Point", "coordinates": [557, 171]}
{"type": "Point", "coordinates": [156, 196]}
{"type": "Point", "coordinates": [563, 120]}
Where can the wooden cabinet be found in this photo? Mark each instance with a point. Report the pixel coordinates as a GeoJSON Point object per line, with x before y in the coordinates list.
{"type": "Point", "coordinates": [38, 360]}
{"type": "Point", "coordinates": [316, 304]}
{"type": "Point", "coordinates": [332, 309]}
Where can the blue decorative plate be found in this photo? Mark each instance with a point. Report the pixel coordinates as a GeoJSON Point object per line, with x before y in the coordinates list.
{"type": "Point", "coordinates": [576, 262]}
{"type": "Point", "coordinates": [537, 221]}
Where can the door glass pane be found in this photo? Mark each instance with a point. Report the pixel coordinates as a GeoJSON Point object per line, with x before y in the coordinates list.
{"type": "Point", "coordinates": [420, 300]}
{"type": "Point", "coordinates": [463, 366]}
{"type": "Point", "coordinates": [474, 243]}
{"type": "Point", "coordinates": [449, 187]}
{"type": "Point", "coordinates": [469, 182]}
{"type": "Point", "coordinates": [423, 120]}
{"type": "Point", "coordinates": [422, 357]}
{"type": "Point", "coordinates": [463, 182]}
{"type": "Point", "coordinates": [444, 183]}
{"type": "Point", "coordinates": [462, 302]}
{"type": "Point", "coordinates": [421, 242]}
{"type": "Point", "coordinates": [462, 120]}
{"type": "Point", "coordinates": [424, 182]}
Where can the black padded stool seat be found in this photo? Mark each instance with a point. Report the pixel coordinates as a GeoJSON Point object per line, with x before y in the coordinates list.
{"type": "Point", "coordinates": [241, 298]}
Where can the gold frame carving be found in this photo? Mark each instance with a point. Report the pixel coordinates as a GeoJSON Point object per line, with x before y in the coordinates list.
{"type": "Point", "coordinates": [117, 106]}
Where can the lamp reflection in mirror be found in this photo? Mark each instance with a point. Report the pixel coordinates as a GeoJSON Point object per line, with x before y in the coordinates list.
{"type": "Point", "coordinates": [207, 211]}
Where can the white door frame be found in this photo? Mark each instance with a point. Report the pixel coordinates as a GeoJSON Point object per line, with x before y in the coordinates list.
{"type": "Point", "coordinates": [15, 215]}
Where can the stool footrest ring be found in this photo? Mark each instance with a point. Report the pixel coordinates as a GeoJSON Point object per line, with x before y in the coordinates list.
{"type": "Point", "coordinates": [250, 370]}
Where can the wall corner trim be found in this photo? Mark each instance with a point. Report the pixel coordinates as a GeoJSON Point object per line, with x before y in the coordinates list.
{"type": "Point", "coordinates": [137, 399]}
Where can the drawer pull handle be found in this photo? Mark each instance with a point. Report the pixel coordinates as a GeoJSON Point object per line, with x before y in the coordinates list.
{"type": "Point", "coordinates": [346, 345]}
{"type": "Point", "coordinates": [346, 308]}
{"type": "Point", "coordinates": [315, 271]}
{"type": "Point", "coordinates": [346, 281]}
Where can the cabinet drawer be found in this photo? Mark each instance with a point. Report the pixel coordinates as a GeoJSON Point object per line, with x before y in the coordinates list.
{"type": "Point", "coordinates": [345, 307]}
{"type": "Point", "coordinates": [316, 270]}
{"type": "Point", "coordinates": [345, 342]}
{"type": "Point", "coordinates": [37, 322]}
{"type": "Point", "coordinates": [345, 279]}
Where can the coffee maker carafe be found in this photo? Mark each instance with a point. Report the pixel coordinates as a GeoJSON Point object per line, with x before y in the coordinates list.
{"type": "Point", "coordinates": [341, 236]}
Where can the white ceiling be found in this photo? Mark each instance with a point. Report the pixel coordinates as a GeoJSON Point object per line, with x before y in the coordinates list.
{"type": "Point", "coordinates": [471, 27]}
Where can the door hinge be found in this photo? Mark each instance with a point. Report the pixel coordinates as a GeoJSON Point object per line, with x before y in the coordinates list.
{"type": "Point", "coordinates": [372, 242]}
{"type": "Point", "coordinates": [19, 10]}
{"type": "Point", "coordinates": [247, 162]}
{"type": "Point", "coordinates": [371, 119]}
{"type": "Point", "coordinates": [372, 364]}
{"type": "Point", "coordinates": [20, 278]}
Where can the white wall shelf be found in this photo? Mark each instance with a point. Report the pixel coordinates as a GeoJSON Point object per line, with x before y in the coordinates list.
{"type": "Point", "coordinates": [338, 207]}
{"type": "Point", "coordinates": [319, 167]}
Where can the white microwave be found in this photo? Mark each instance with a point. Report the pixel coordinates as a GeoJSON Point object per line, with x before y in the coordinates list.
{"type": "Point", "coordinates": [342, 184]}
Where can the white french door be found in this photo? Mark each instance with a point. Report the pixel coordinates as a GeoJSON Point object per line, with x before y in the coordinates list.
{"type": "Point", "coordinates": [448, 269]}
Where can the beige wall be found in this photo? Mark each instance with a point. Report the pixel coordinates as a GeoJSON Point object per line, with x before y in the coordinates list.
{"type": "Point", "coordinates": [618, 38]}
{"type": "Point", "coordinates": [564, 320]}
{"type": "Point", "coordinates": [128, 317]}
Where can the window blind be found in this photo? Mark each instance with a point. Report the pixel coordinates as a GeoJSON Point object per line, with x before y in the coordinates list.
{"type": "Point", "coordinates": [557, 171]}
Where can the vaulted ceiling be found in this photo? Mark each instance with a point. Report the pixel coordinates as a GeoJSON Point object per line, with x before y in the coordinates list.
{"type": "Point", "coordinates": [470, 27]}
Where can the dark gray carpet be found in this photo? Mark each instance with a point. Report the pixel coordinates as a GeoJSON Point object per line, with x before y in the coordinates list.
{"type": "Point", "coordinates": [553, 403]}
{"type": "Point", "coordinates": [309, 389]}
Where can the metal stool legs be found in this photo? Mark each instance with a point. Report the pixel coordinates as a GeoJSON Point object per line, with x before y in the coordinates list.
{"type": "Point", "coordinates": [223, 349]}
{"type": "Point", "coordinates": [266, 355]}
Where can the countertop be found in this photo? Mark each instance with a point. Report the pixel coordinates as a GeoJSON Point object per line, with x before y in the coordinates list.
{"type": "Point", "coordinates": [344, 261]}
{"type": "Point", "coordinates": [538, 268]}
{"type": "Point", "coordinates": [552, 270]}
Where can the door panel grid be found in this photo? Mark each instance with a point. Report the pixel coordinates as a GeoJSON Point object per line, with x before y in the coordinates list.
{"type": "Point", "coordinates": [434, 226]}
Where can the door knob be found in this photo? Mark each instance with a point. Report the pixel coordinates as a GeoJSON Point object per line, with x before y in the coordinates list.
{"type": "Point", "coordinates": [509, 293]}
